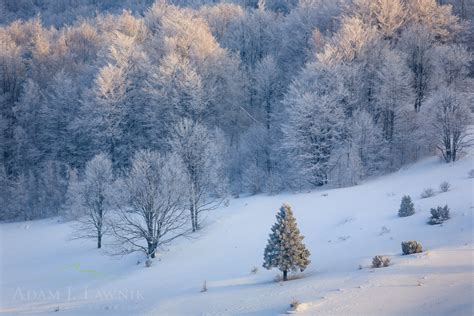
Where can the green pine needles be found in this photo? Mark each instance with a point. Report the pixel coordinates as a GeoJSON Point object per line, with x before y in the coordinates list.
{"type": "Point", "coordinates": [285, 249]}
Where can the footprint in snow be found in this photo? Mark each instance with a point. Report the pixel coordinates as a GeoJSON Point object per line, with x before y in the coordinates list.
{"type": "Point", "coordinates": [346, 220]}
{"type": "Point", "coordinates": [343, 238]}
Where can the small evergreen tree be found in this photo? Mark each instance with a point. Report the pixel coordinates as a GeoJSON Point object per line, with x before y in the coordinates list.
{"type": "Point", "coordinates": [285, 249]}
{"type": "Point", "coordinates": [406, 207]}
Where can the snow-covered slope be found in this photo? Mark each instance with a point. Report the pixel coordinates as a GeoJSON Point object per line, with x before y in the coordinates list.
{"type": "Point", "coordinates": [43, 271]}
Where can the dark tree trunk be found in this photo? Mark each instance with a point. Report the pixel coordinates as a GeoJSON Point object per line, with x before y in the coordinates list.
{"type": "Point", "coordinates": [196, 225]}
{"type": "Point", "coordinates": [285, 275]}
{"type": "Point", "coordinates": [100, 220]}
{"type": "Point", "coordinates": [151, 249]}
{"type": "Point", "coordinates": [99, 240]}
{"type": "Point", "coordinates": [193, 223]}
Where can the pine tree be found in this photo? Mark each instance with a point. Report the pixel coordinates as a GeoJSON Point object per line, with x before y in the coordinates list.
{"type": "Point", "coordinates": [406, 207]}
{"type": "Point", "coordinates": [285, 249]}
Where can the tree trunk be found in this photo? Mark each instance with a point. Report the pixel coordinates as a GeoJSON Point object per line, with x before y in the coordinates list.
{"type": "Point", "coordinates": [151, 250]}
{"type": "Point", "coordinates": [192, 219]}
{"type": "Point", "coordinates": [448, 153]}
{"type": "Point", "coordinates": [100, 219]}
{"type": "Point", "coordinates": [196, 223]}
{"type": "Point", "coordinates": [285, 275]}
{"type": "Point", "coordinates": [194, 212]}
{"type": "Point", "coordinates": [99, 240]}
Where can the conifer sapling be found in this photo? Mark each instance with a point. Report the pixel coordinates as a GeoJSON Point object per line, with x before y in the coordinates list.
{"type": "Point", "coordinates": [406, 207]}
{"type": "Point", "coordinates": [285, 249]}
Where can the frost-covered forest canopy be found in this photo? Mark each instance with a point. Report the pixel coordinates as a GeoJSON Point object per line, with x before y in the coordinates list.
{"type": "Point", "coordinates": [190, 101]}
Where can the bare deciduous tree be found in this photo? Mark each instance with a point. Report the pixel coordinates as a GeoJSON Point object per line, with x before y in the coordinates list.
{"type": "Point", "coordinates": [95, 197]}
{"type": "Point", "coordinates": [450, 119]}
{"type": "Point", "coordinates": [153, 214]}
{"type": "Point", "coordinates": [199, 151]}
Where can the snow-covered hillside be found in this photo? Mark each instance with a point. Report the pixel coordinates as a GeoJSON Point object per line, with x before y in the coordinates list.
{"type": "Point", "coordinates": [43, 271]}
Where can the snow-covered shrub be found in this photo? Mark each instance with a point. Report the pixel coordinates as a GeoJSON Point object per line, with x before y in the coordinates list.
{"type": "Point", "coordinates": [470, 174]}
{"type": "Point", "coordinates": [380, 261]}
{"type": "Point", "coordinates": [406, 207]}
{"type": "Point", "coordinates": [428, 192]}
{"type": "Point", "coordinates": [148, 263]}
{"type": "Point", "coordinates": [444, 186]}
{"type": "Point", "coordinates": [439, 215]}
{"type": "Point", "coordinates": [411, 246]}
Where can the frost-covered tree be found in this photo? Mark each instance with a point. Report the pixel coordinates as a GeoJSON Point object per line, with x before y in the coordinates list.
{"type": "Point", "coordinates": [417, 43]}
{"type": "Point", "coordinates": [179, 89]}
{"type": "Point", "coordinates": [451, 67]}
{"type": "Point", "coordinates": [53, 184]}
{"type": "Point", "coordinates": [438, 19]}
{"type": "Point", "coordinates": [285, 249]}
{"type": "Point", "coordinates": [258, 142]}
{"type": "Point", "coordinates": [220, 17]}
{"type": "Point", "coordinates": [95, 197]}
{"type": "Point", "coordinates": [153, 211]}
{"type": "Point", "coordinates": [393, 92]}
{"type": "Point", "coordinates": [119, 109]}
{"type": "Point", "coordinates": [23, 204]}
{"type": "Point", "coordinates": [314, 123]}
{"type": "Point", "coordinates": [251, 35]}
{"type": "Point", "coordinates": [253, 157]}
{"type": "Point", "coordinates": [58, 109]}
{"type": "Point", "coordinates": [450, 117]}
{"type": "Point", "coordinates": [406, 207]}
{"type": "Point", "coordinates": [73, 207]}
{"type": "Point", "coordinates": [201, 154]}
{"type": "Point", "coordinates": [412, 138]}
{"type": "Point", "coordinates": [295, 34]}
{"type": "Point", "coordinates": [313, 131]}
{"type": "Point", "coordinates": [28, 129]}
{"type": "Point", "coordinates": [387, 16]}
{"type": "Point", "coordinates": [367, 138]}
{"type": "Point", "coordinates": [196, 77]}
{"type": "Point", "coordinates": [267, 90]}
{"type": "Point", "coordinates": [12, 72]}
{"type": "Point", "coordinates": [83, 42]}
{"type": "Point", "coordinates": [351, 41]}
{"type": "Point", "coordinates": [345, 166]}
